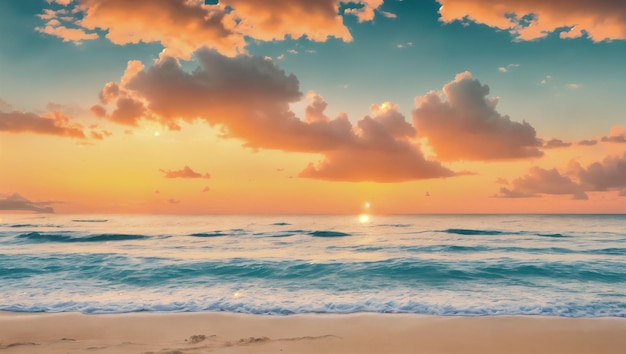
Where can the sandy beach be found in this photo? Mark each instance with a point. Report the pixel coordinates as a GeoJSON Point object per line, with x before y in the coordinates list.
{"type": "Point", "coordinates": [357, 333]}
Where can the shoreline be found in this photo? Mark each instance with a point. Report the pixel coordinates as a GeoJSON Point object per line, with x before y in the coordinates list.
{"type": "Point", "coordinates": [208, 332]}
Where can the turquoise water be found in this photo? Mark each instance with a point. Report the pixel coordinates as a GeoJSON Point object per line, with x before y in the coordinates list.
{"type": "Point", "coordinates": [556, 265]}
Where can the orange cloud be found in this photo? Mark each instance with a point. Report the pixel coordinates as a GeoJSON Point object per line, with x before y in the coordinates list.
{"type": "Point", "coordinates": [532, 19]}
{"type": "Point", "coordinates": [248, 98]}
{"type": "Point", "coordinates": [367, 10]}
{"type": "Point", "coordinates": [98, 111]}
{"type": "Point", "coordinates": [617, 135]}
{"type": "Point", "coordinates": [186, 172]}
{"type": "Point", "coordinates": [128, 111]}
{"type": "Point", "coordinates": [268, 20]}
{"type": "Point", "coordinates": [466, 126]}
{"type": "Point", "coordinates": [53, 123]}
{"type": "Point", "coordinates": [381, 151]}
{"type": "Point", "coordinates": [606, 175]}
{"type": "Point", "coordinates": [609, 174]}
{"type": "Point", "coordinates": [76, 35]}
{"type": "Point", "coordinates": [539, 180]}
{"type": "Point", "coordinates": [183, 26]}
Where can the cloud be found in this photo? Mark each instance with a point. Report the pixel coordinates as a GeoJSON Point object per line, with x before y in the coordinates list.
{"type": "Point", "coordinates": [183, 26]}
{"type": "Point", "coordinates": [109, 92]}
{"type": "Point", "coordinates": [248, 98]}
{"type": "Point", "coordinates": [533, 19]}
{"type": "Point", "coordinates": [507, 193]}
{"type": "Point", "coordinates": [505, 69]}
{"type": "Point", "coordinates": [277, 19]}
{"type": "Point", "coordinates": [543, 181]}
{"type": "Point", "coordinates": [617, 135]}
{"type": "Point", "coordinates": [100, 135]}
{"type": "Point", "coordinates": [545, 81]}
{"type": "Point", "coordinates": [608, 174]}
{"type": "Point", "coordinates": [186, 172]}
{"type": "Point", "coordinates": [366, 10]}
{"type": "Point", "coordinates": [98, 111]}
{"type": "Point", "coordinates": [587, 142]}
{"type": "Point", "coordinates": [75, 35]}
{"type": "Point", "coordinates": [205, 189]}
{"type": "Point", "coordinates": [53, 123]}
{"type": "Point", "coordinates": [173, 201]}
{"type": "Point", "coordinates": [60, 2]}
{"type": "Point", "coordinates": [381, 152]}
{"type": "Point", "coordinates": [128, 111]}
{"type": "Point", "coordinates": [466, 126]}
{"type": "Point", "coordinates": [16, 202]}
{"type": "Point", "coordinates": [555, 144]}
{"type": "Point", "coordinates": [574, 86]}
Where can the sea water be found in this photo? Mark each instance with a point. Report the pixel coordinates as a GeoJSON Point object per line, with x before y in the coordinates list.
{"type": "Point", "coordinates": [555, 265]}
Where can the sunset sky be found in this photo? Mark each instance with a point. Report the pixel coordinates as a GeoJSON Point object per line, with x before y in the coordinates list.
{"type": "Point", "coordinates": [300, 106]}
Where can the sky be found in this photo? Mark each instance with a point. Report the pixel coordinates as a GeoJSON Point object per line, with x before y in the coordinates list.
{"type": "Point", "coordinates": [322, 107]}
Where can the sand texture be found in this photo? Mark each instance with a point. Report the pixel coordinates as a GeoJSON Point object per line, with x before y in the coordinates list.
{"type": "Point", "coordinates": [145, 333]}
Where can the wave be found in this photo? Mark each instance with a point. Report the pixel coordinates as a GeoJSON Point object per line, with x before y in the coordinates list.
{"type": "Point", "coordinates": [24, 225]}
{"type": "Point", "coordinates": [277, 308]}
{"type": "Point", "coordinates": [472, 232]}
{"type": "Point", "coordinates": [550, 235]}
{"type": "Point", "coordinates": [328, 275]}
{"type": "Point", "coordinates": [479, 232]}
{"type": "Point", "coordinates": [210, 234]}
{"type": "Point", "coordinates": [281, 224]}
{"type": "Point", "coordinates": [90, 220]}
{"type": "Point", "coordinates": [328, 234]}
{"type": "Point", "coordinates": [219, 233]}
{"type": "Point", "coordinates": [287, 233]}
{"type": "Point", "coordinates": [43, 237]}
{"type": "Point", "coordinates": [16, 226]}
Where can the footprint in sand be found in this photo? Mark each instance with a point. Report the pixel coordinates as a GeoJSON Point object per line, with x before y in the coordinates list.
{"type": "Point", "coordinates": [17, 344]}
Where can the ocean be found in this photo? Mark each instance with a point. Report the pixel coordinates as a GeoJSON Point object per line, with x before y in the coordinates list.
{"type": "Point", "coordinates": [467, 265]}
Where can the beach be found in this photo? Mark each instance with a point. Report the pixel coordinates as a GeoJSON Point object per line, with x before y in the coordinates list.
{"type": "Point", "coordinates": [323, 333]}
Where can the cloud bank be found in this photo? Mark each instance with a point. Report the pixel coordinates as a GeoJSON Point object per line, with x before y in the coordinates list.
{"type": "Point", "coordinates": [599, 20]}
{"type": "Point", "coordinates": [248, 98]}
{"type": "Point", "coordinates": [53, 123]}
{"type": "Point", "coordinates": [606, 175]}
{"type": "Point", "coordinates": [183, 26]}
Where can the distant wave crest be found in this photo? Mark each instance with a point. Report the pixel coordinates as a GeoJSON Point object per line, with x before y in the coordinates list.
{"type": "Point", "coordinates": [44, 237]}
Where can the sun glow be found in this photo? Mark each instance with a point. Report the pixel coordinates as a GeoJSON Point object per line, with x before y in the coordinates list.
{"type": "Point", "coordinates": [364, 218]}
